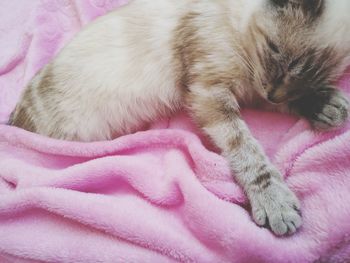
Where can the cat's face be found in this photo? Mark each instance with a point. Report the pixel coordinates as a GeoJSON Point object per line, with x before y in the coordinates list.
{"type": "Point", "coordinates": [287, 60]}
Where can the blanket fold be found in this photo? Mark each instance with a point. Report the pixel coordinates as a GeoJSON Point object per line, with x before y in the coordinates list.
{"type": "Point", "coordinates": [161, 195]}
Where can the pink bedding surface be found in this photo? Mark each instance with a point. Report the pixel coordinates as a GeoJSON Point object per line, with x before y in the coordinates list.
{"type": "Point", "coordinates": [160, 195]}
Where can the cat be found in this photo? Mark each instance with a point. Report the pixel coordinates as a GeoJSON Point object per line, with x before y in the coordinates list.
{"type": "Point", "coordinates": [152, 58]}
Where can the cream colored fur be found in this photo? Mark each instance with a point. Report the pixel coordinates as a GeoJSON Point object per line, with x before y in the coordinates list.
{"type": "Point", "coordinates": [125, 70]}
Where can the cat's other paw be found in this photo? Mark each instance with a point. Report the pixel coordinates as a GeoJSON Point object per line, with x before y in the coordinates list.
{"type": "Point", "coordinates": [331, 111]}
{"type": "Point", "coordinates": [276, 206]}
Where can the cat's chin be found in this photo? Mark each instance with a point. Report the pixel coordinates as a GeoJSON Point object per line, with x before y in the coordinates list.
{"type": "Point", "coordinates": [277, 102]}
{"type": "Point", "coordinates": [264, 97]}
{"type": "Point", "coordinates": [277, 99]}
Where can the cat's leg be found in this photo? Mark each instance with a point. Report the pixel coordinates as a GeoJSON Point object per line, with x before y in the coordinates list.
{"type": "Point", "coordinates": [325, 108]}
{"type": "Point", "coordinates": [216, 111]}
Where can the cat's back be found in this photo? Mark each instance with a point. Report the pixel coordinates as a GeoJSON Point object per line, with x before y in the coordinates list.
{"type": "Point", "coordinates": [115, 75]}
{"type": "Point", "coordinates": [124, 41]}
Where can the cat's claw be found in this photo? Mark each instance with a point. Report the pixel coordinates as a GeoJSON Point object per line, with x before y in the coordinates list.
{"type": "Point", "coordinates": [276, 207]}
{"type": "Point", "coordinates": [333, 113]}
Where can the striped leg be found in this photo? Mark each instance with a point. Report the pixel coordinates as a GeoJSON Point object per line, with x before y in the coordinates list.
{"type": "Point", "coordinates": [216, 111]}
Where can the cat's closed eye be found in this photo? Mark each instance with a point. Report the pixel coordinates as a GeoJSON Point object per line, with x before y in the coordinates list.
{"type": "Point", "coordinates": [294, 63]}
{"type": "Point", "coordinates": [273, 46]}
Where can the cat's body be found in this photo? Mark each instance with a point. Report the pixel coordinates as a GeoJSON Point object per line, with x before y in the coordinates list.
{"type": "Point", "coordinates": [154, 57]}
{"type": "Point", "coordinates": [117, 75]}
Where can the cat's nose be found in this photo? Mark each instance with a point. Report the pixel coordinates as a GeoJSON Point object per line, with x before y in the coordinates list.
{"type": "Point", "coordinates": [277, 95]}
{"type": "Point", "coordinates": [272, 98]}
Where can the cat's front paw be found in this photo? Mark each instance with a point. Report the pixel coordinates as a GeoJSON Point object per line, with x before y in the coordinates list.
{"type": "Point", "coordinates": [276, 206]}
{"type": "Point", "coordinates": [332, 111]}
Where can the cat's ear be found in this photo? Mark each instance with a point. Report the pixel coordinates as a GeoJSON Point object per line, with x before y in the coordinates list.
{"type": "Point", "coordinates": [279, 3]}
{"type": "Point", "coordinates": [314, 3]}
{"type": "Point", "coordinates": [312, 7]}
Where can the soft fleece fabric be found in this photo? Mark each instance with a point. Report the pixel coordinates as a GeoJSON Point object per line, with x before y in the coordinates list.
{"type": "Point", "coordinates": [160, 195]}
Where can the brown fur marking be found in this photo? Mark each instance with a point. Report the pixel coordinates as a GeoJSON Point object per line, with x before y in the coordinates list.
{"type": "Point", "coordinates": [44, 87]}
{"type": "Point", "coordinates": [211, 111]}
{"type": "Point", "coordinates": [22, 119]}
{"type": "Point", "coordinates": [262, 179]}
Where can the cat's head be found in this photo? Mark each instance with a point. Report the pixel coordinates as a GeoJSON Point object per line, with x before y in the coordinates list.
{"type": "Point", "coordinates": [286, 59]}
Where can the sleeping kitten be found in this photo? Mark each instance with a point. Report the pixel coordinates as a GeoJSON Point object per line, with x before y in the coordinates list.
{"type": "Point", "coordinates": [154, 57]}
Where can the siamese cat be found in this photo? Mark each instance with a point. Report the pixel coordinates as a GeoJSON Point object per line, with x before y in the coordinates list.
{"type": "Point", "coordinates": [152, 58]}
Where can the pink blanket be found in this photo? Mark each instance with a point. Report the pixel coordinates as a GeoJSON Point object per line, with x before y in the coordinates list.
{"type": "Point", "coordinates": [160, 195]}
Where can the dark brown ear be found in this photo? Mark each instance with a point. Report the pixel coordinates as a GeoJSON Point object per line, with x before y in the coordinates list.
{"type": "Point", "coordinates": [310, 7]}
{"type": "Point", "coordinates": [313, 7]}
{"type": "Point", "coordinates": [279, 3]}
